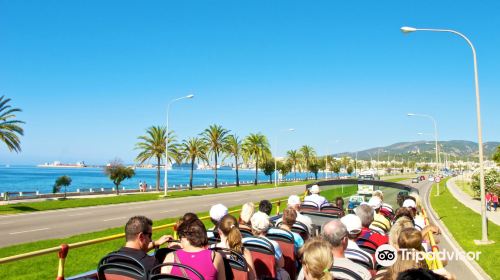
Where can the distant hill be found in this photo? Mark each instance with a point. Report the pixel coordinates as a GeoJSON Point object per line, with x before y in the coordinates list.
{"type": "Point", "coordinates": [424, 150]}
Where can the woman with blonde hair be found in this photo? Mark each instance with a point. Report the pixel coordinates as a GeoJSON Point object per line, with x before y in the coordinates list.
{"type": "Point", "coordinates": [246, 213]}
{"type": "Point", "coordinates": [230, 238]}
{"type": "Point", "coordinates": [317, 259]}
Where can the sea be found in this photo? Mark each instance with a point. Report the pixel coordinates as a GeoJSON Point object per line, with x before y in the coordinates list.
{"type": "Point", "coordinates": [31, 178]}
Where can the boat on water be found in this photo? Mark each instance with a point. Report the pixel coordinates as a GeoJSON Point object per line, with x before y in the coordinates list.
{"type": "Point", "coordinates": [58, 164]}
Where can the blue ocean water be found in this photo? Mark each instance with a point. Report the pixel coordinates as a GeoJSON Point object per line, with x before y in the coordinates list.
{"type": "Point", "coordinates": [31, 178]}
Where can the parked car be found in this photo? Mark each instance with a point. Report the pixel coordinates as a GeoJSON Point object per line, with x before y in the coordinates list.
{"type": "Point", "coordinates": [415, 180]}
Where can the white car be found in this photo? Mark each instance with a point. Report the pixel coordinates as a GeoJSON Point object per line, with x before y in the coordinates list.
{"type": "Point", "coordinates": [431, 179]}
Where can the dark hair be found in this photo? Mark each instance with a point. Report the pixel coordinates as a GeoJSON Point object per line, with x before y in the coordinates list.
{"type": "Point", "coordinates": [341, 200]}
{"type": "Point", "coordinates": [189, 216]}
{"type": "Point", "coordinates": [135, 225]}
{"type": "Point", "coordinates": [410, 238]}
{"type": "Point", "coordinates": [194, 231]}
{"type": "Point", "coordinates": [229, 227]}
{"type": "Point", "coordinates": [289, 216]}
{"type": "Point", "coordinates": [419, 274]}
{"type": "Point", "coordinates": [403, 212]}
{"type": "Point", "coordinates": [265, 206]}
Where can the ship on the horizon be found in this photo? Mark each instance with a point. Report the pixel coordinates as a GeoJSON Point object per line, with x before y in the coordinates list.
{"type": "Point", "coordinates": [58, 164]}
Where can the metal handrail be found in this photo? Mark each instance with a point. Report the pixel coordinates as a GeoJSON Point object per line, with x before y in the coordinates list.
{"type": "Point", "coordinates": [435, 249]}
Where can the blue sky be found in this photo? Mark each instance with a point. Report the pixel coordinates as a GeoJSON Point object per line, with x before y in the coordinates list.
{"type": "Point", "coordinates": [91, 76]}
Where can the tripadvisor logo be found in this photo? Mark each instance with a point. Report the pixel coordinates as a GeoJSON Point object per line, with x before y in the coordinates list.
{"type": "Point", "coordinates": [386, 255]}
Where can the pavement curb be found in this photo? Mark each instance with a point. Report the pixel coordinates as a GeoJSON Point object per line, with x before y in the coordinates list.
{"type": "Point", "coordinates": [473, 265]}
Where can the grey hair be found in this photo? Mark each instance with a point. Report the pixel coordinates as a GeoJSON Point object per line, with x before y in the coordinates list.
{"type": "Point", "coordinates": [247, 211]}
{"type": "Point", "coordinates": [365, 213]}
{"type": "Point", "coordinates": [334, 232]}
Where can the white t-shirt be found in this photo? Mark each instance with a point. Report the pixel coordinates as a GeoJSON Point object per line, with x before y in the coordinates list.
{"type": "Point", "coordinates": [316, 198]}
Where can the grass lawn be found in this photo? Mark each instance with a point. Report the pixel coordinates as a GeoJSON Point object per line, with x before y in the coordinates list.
{"type": "Point", "coordinates": [86, 258]}
{"type": "Point", "coordinates": [465, 186]}
{"type": "Point", "coordinates": [124, 198]}
{"type": "Point", "coordinates": [465, 225]}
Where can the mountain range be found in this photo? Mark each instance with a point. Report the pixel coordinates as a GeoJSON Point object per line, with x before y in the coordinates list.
{"type": "Point", "coordinates": [424, 150]}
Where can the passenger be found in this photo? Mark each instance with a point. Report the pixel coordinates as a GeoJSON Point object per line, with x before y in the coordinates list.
{"type": "Point", "coordinates": [335, 233]}
{"type": "Point", "coordinates": [419, 218]}
{"type": "Point", "coordinates": [353, 252]}
{"type": "Point", "coordinates": [380, 223]}
{"type": "Point", "coordinates": [375, 239]}
{"type": "Point", "coordinates": [260, 226]}
{"type": "Point", "coordinates": [315, 197]}
{"type": "Point", "coordinates": [411, 204]}
{"type": "Point", "coordinates": [217, 211]}
{"type": "Point", "coordinates": [265, 206]}
{"type": "Point", "coordinates": [339, 202]}
{"type": "Point", "coordinates": [247, 211]}
{"type": "Point", "coordinates": [317, 259]}
{"type": "Point", "coordinates": [294, 202]}
{"type": "Point", "coordinates": [230, 238]}
{"type": "Point", "coordinates": [289, 218]}
{"type": "Point", "coordinates": [194, 241]}
{"type": "Point", "coordinates": [386, 209]}
{"type": "Point", "coordinates": [420, 274]}
{"type": "Point", "coordinates": [400, 224]}
{"type": "Point", "coordinates": [138, 233]}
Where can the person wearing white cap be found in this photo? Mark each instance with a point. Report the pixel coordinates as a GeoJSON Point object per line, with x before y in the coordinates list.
{"type": "Point", "coordinates": [294, 202]}
{"type": "Point", "coordinates": [217, 211]}
{"type": "Point", "coordinates": [353, 252]}
{"type": "Point", "coordinates": [412, 205]}
{"type": "Point", "coordinates": [315, 198]}
{"type": "Point", "coordinates": [260, 225]}
{"type": "Point", "coordinates": [380, 223]}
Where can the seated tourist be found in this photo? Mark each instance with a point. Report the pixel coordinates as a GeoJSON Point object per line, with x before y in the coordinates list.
{"type": "Point", "coordinates": [230, 238]}
{"type": "Point", "coordinates": [339, 202]}
{"type": "Point", "coordinates": [315, 197]}
{"type": "Point", "coordinates": [380, 223]}
{"type": "Point", "coordinates": [246, 213]}
{"type": "Point", "coordinates": [317, 259]}
{"type": "Point", "coordinates": [138, 233]}
{"type": "Point", "coordinates": [193, 237]}
{"type": "Point", "coordinates": [400, 224]}
{"type": "Point", "coordinates": [368, 237]}
{"type": "Point", "coordinates": [420, 274]}
{"type": "Point", "coordinates": [353, 252]}
{"type": "Point", "coordinates": [335, 233]}
{"type": "Point", "coordinates": [265, 206]}
{"type": "Point", "coordinates": [386, 209]}
{"type": "Point", "coordinates": [216, 213]}
{"type": "Point", "coordinates": [294, 203]}
{"type": "Point", "coordinates": [289, 217]}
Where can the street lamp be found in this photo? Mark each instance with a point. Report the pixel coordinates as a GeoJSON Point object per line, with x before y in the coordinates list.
{"type": "Point", "coordinates": [484, 223]}
{"type": "Point", "coordinates": [435, 140]}
{"type": "Point", "coordinates": [276, 160]}
{"type": "Point", "coordinates": [167, 140]}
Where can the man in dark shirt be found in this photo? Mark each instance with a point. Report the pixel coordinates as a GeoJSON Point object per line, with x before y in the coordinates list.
{"type": "Point", "coordinates": [138, 232]}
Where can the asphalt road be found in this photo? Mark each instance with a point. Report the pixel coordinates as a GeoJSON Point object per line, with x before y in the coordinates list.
{"type": "Point", "coordinates": [22, 228]}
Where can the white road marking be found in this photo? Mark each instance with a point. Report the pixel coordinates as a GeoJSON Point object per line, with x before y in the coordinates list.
{"type": "Point", "coordinates": [112, 219]}
{"type": "Point", "coordinates": [137, 207]}
{"type": "Point", "coordinates": [80, 214]}
{"type": "Point", "coordinates": [6, 223]}
{"type": "Point", "coordinates": [19, 232]}
{"type": "Point", "coordinates": [166, 211]}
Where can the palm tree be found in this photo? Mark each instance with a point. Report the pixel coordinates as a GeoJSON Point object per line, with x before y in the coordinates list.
{"type": "Point", "coordinates": [194, 148]}
{"type": "Point", "coordinates": [215, 138]}
{"type": "Point", "coordinates": [256, 146]}
{"type": "Point", "coordinates": [233, 148]}
{"type": "Point", "coordinates": [9, 126]}
{"type": "Point", "coordinates": [153, 146]}
{"type": "Point", "coordinates": [307, 154]}
{"type": "Point", "coordinates": [294, 158]}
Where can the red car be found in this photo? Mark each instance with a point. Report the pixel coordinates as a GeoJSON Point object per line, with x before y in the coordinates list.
{"type": "Point", "coordinates": [422, 178]}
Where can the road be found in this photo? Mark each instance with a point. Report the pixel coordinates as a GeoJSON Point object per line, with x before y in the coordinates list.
{"type": "Point", "coordinates": [30, 227]}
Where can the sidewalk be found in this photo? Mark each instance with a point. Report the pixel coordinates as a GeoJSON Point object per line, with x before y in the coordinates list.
{"type": "Point", "coordinates": [473, 204]}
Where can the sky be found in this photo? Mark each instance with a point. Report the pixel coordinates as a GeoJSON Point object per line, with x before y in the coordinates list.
{"type": "Point", "coordinates": [92, 76]}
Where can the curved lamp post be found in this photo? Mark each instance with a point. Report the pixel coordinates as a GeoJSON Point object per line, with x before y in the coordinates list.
{"type": "Point", "coordinates": [484, 235]}
{"type": "Point", "coordinates": [438, 160]}
{"type": "Point", "coordinates": [167, 140]}
{"type": "Point", "coordinates": [276, 160]}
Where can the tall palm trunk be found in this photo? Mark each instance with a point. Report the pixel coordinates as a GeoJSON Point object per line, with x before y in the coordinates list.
{"type": "Point", "coordinates": [191, 174]}
{"type": "Point", "coordinates": [158, 174]}
{"type": "Point", "coordinates": [117, 186]}
{"type": "Point", "coordinates": [215, 156]}
{"type": "Point", "coordinates": [237, 175]}
{"type": "Point", "coordinates": [256, 169]}
{"type": "Point", "coordinates": [295, 171]}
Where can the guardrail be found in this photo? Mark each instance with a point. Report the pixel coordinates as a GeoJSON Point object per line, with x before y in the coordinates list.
{"type": "Point", "coordinates": [436, 261]}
